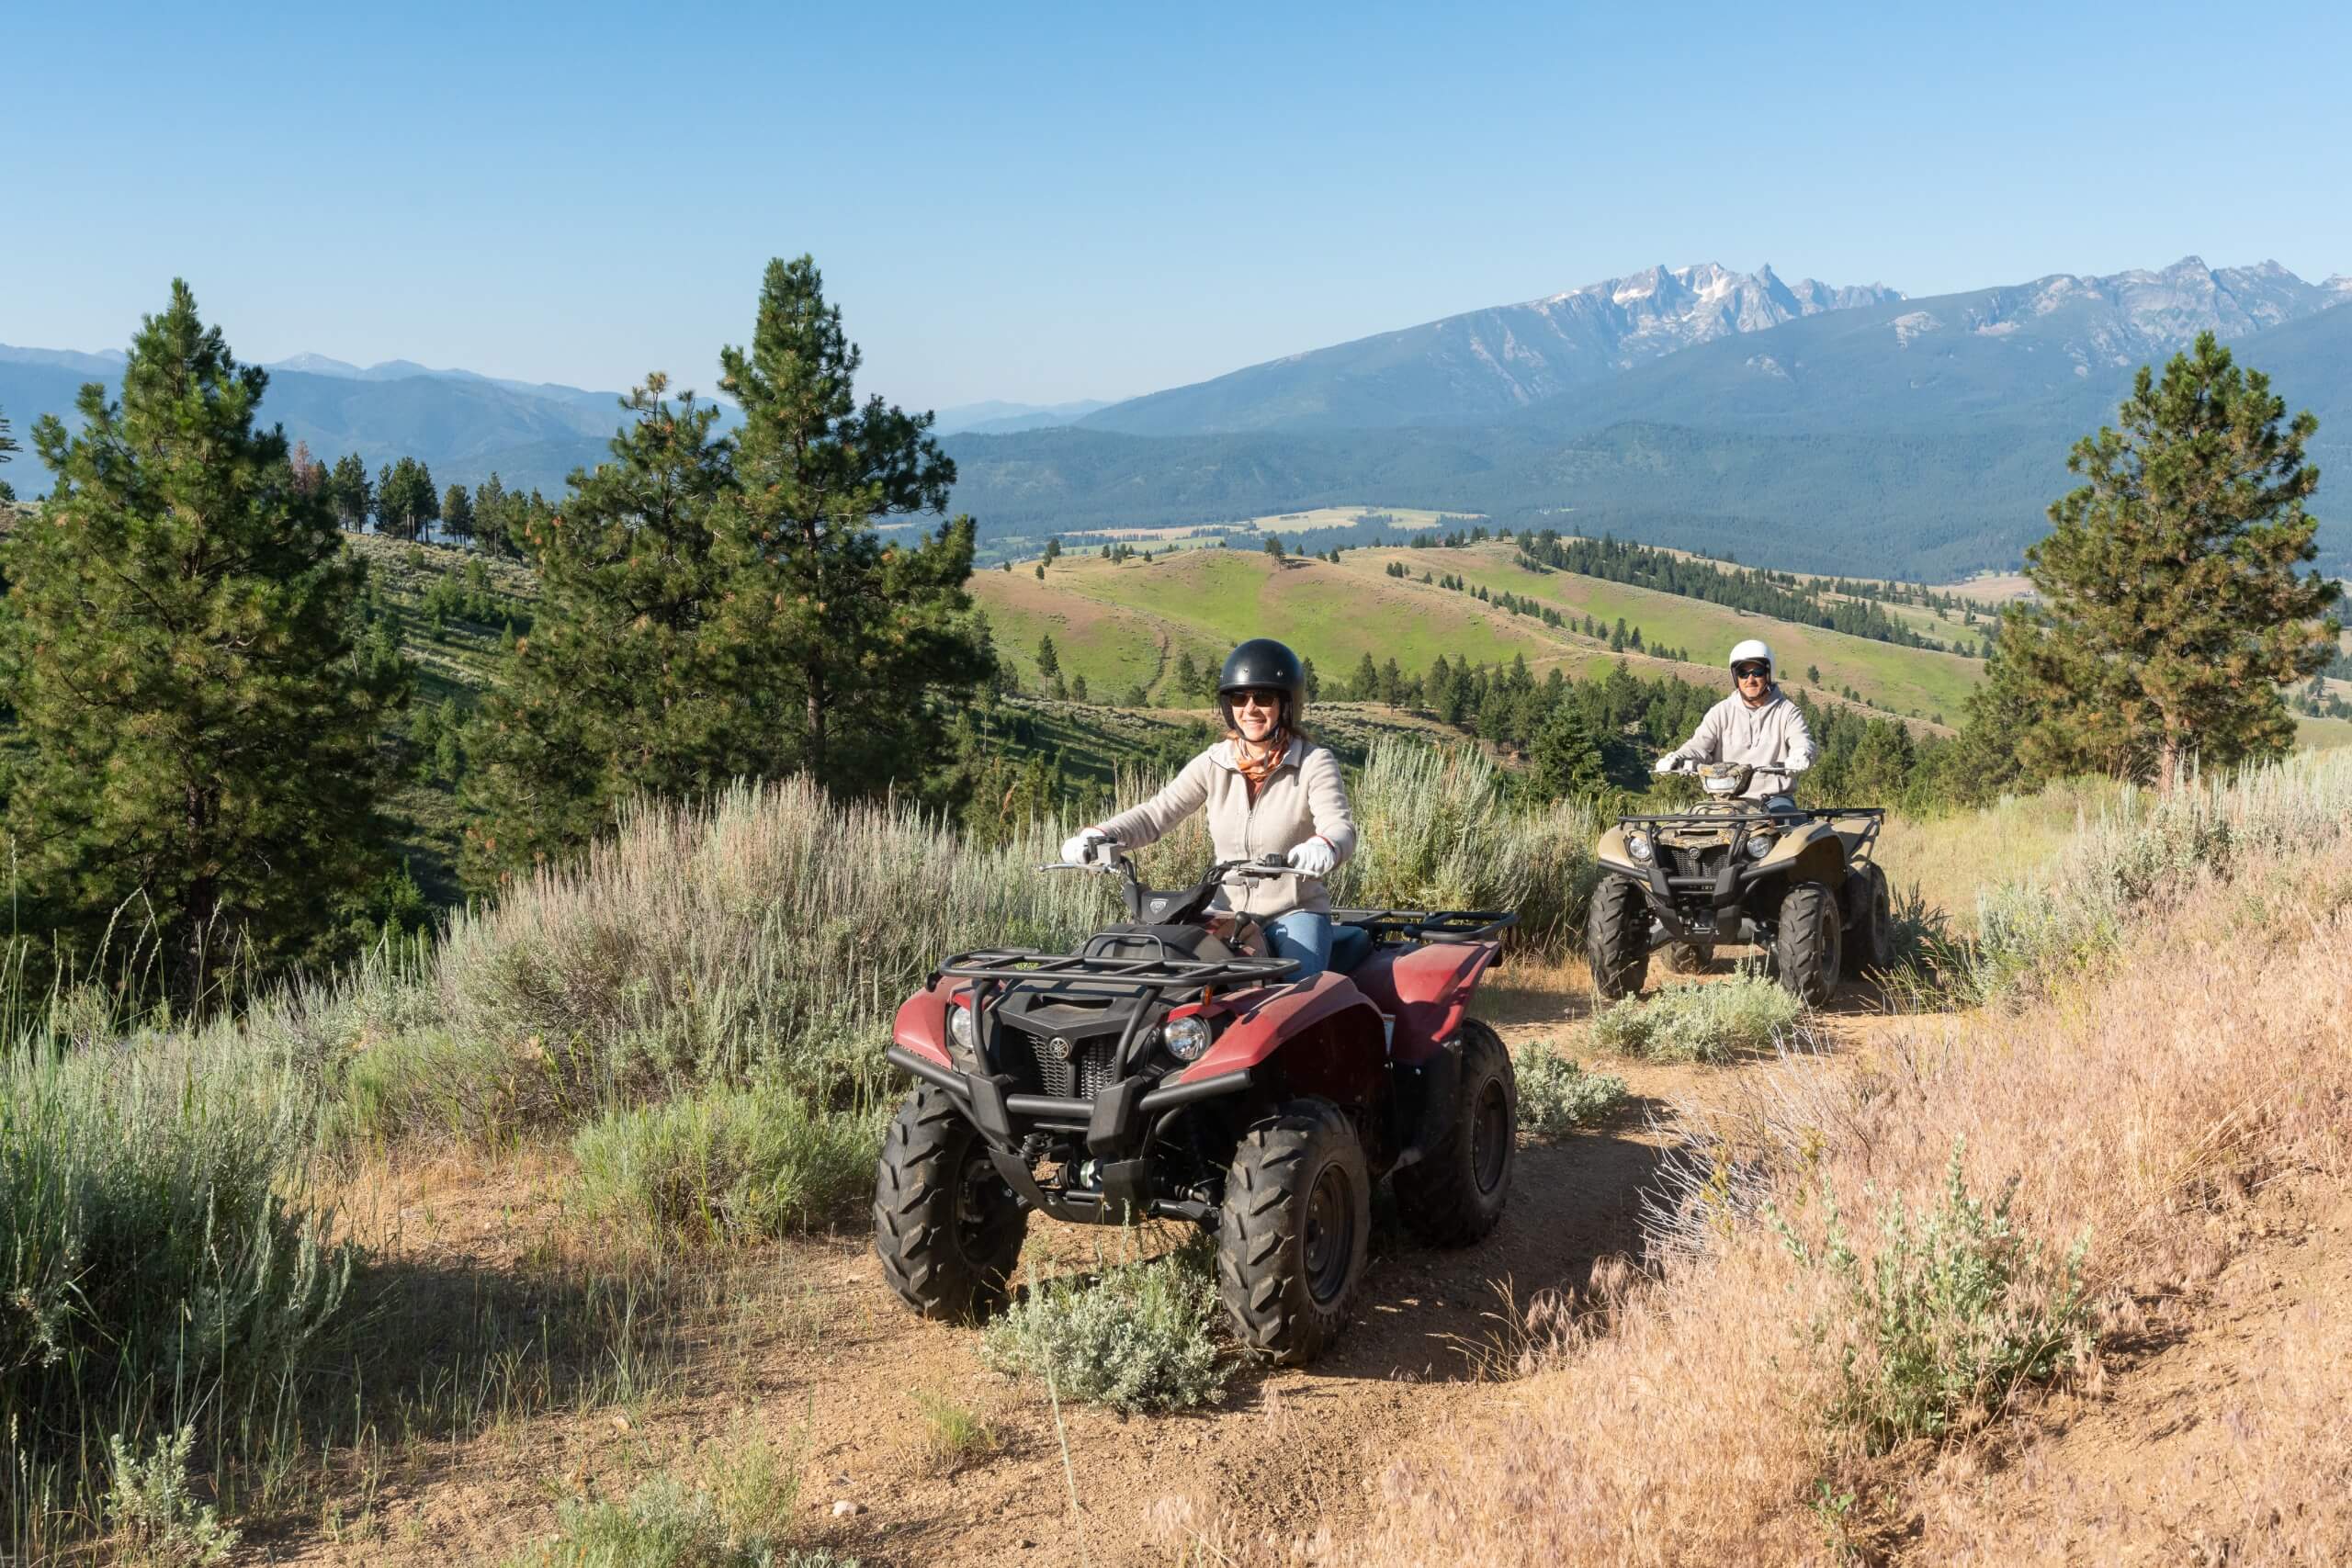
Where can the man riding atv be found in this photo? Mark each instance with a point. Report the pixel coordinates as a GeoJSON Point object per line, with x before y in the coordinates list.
{"type": "Point", "coordinates": [1757, 725]}
{"type": "Point", "coordinates": [1748, 866]}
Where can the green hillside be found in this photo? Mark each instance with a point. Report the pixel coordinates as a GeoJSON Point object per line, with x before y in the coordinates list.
{"type": "Point", "coordinates": [1126, 625]}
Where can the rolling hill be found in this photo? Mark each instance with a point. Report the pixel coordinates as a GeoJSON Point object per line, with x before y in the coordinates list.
{"type": "Point", "coordinates": [1127, 625]}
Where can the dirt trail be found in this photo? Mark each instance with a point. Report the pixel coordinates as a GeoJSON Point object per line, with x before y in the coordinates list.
{"type": "Point", "coordinates": [815, 1352]}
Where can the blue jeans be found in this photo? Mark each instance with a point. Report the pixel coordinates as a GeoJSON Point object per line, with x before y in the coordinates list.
{"type": "Point", "coordinates": [1304, 935]}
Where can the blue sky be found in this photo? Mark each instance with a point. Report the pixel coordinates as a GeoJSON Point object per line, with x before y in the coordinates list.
{"type": "Point", "coordinates": [1045, 203]}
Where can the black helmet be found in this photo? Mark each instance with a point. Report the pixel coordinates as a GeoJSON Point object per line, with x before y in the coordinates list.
{"type": "Point", "coordinates": [1259, 663]}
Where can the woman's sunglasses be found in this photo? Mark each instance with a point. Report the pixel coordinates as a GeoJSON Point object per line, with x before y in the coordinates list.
{"type": "Point", "coordinates": [1270, 700]}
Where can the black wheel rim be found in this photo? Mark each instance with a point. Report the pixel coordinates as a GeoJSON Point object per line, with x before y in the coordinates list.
{"type": "Point", "coordinates": [976, 1202]}
{"type": "Point", "coordinates": [1490, 1138]}
{"type": "Point", "coordinates": [1329, 1242]}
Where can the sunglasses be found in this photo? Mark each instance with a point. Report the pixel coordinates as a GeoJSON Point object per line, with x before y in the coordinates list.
{"type": "Point", "coordinates": [1253, 699]}
{"type": "Point", "coordinates": [1753, 671]}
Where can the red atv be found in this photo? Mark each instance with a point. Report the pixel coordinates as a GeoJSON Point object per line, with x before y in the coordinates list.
{"type": "Point", "coordinates": [1159, 1071]}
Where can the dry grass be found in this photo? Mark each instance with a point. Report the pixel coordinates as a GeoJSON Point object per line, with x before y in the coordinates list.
{"type": "Point", "coordinates": [1949, 860]}
{"type": "Point", "coordinates": [2134, 1108]}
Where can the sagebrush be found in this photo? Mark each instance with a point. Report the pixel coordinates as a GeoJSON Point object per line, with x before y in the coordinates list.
{"type": "Point", "coordinates": [1705, 1022]}
{"type": "Point", "coordinates": [1137, 1337]}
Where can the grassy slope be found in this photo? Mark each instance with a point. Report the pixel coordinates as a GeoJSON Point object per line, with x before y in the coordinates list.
{"type": "Point", "coordinates": [1202, 602]}
{"type": "Point", "coordinates": [1903, 678]}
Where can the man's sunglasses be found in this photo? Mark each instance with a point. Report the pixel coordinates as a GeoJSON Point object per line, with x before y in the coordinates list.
{"type": "Point", "coordinates": [1256, 699]}
{"type": "Point", "coordinates": [1753, 671]}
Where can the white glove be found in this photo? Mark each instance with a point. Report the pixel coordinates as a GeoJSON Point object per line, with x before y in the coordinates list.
{"type": "Point", "coordinates": [1669, 764]}
{"type": "Point", "coordinates": [1313, 858]}
{"type": "Point", "coordinates": [1080, 849]}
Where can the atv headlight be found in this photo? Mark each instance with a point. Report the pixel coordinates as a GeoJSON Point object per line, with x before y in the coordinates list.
{"type": "Point", "coordinates": [1638, 846]}
{"type": "Point", "coordinates": [1186, 1038]}
{"type": "Point", "coordinates": [959, 1029]}
{"type": "Point", "coordinates": [1759, 845]}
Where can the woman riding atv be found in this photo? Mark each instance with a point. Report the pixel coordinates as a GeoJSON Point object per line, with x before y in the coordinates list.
{"type": "Point", "coordinates": [1268, 789]}
{"type": "Point", "coordinates": [1757, 725]}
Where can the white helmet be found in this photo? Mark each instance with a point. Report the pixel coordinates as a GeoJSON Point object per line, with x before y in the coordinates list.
{"type": "Point", "coordinates": [1752, 649]}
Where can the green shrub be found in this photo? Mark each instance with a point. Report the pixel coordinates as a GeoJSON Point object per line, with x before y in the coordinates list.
{"type": "Point", "coordinates": [1956, 1311]}
{"type": "Point", "coordinates": [728, 1165]}
{"type": "Point", "coordinates": [1435, 832]}
{"type": "Point", "coordinates": [155, 1519]}
{"type": "Point", "coordinates": [1135, 1339]}
{"type": "Point", "coordinates": [1710, 1022]}
{"type": "Point", "coordinates": [661, 1525]}
{"type": "Point", "coordinates": [156, 1253]}
{"type": "Point", "coordinates": [1557, 1096]}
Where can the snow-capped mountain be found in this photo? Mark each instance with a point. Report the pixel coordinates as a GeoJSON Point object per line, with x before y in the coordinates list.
{"type": "Point", "coordinates": [1485, 363]}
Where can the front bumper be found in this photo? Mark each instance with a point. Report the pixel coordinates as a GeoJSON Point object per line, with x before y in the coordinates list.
{"type": "Point", "coordinates": [1675, 902]}
{"type": "Point", "coordinates": [1120, 1125]}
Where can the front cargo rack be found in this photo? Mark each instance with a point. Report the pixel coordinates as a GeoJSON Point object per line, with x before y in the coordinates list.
{"type": "Point", "coordinates": [1082, 972]}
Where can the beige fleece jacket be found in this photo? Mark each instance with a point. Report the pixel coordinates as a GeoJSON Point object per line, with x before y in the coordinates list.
{"type": "Point", "coordinates": [1303, 798]}
{"type": "Point", "coordinates": [1771, 736]}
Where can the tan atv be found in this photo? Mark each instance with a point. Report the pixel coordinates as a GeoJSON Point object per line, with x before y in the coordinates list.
{"type": "Point", "coordinates": [1798, 884]}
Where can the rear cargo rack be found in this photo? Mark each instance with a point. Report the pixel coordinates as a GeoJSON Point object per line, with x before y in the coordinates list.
{"type": "Point", "coordinates": [1427, 925]}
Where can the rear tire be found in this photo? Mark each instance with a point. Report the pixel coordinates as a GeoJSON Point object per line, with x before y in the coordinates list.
{"type": "Point", "coordinates": [1455, 1194]}
{"type": "Point", "coordinates": [1293, 1235]}
{"type": "Point", "coordinates": [1807, 947]}
{"type": "Point", "coordinates": [1870, 941]}
{"type": "Point", "coordinates": [1690, 958]}
{"type": "Point", "coordinates": [945, 1226]}
{"type": "Point", "coordinates": [1617, 939]}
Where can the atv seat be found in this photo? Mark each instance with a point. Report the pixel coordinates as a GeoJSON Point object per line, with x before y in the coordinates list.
{"type": "Point", "coordinates": [1350, 945]}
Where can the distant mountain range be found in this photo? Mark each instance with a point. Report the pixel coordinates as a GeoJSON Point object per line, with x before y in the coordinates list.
{"type": "Point", "coordinates": [1920, 436]}
{"type": "Point", "coordinates": [1488, 364]}
{"type": "Point", "coordinates": [1800, 424]}
{"type": "Point", "coordinates": [994, 418]}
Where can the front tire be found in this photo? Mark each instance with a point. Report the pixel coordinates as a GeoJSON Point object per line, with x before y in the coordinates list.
{"type": "Point", "coordinates": [945, 1226]}
{"type": "Point", "coordinates": [1294, 1229]}
{"type": "Point", "coordinates": [1808, 948]}
{"type": "Point", "coordinates": [1870, 943]}
{"type": "Point", "coordinates": [1455, 1194]}
{"type": "Point", "coordinates": [1617, 939]}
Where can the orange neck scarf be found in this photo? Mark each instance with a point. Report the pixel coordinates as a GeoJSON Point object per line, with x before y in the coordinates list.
{"type": "Point", "coordinates": [1256, 770]}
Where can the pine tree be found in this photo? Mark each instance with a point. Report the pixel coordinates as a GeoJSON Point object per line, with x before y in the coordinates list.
{"type": "Point", "coordinates": [490, 516]}
{"type": "Point", "coordinates": [200, 728]}
{"type": "Point", "coordinates": [627, 681]}
{"type": "Point", "coordinates": [7, 447]}
{"type": "Point", "coordinates": [2174, 609]}
{"type": "Point", "coordinates": [457, 514]}
{"type": "Point", "coordinates": [349, 493]}
{"type": "Point", "coordinates": [869, 641]}
{"type": "Point", "coordinates": [1365, 686]}
{"type": "Point", "coordinates": [1049, 663]}
{"type": "Point", "coordinates": [1564, 759]}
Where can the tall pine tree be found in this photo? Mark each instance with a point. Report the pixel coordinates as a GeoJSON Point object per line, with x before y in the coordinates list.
{"type": "Point", "coordinates": [200, 733]}
{"type": "Point", "coordinates": [2173, 608]}
{"type": "Point", "coordinates": [7, 447]}
{"type": "Point", "coordinates": [625, 684]}
{"type": "Point", "coordinates": [863, 638]}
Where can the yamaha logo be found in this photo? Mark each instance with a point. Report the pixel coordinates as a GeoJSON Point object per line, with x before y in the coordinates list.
{"type": "Point", "coordinates": [1059, 1048]}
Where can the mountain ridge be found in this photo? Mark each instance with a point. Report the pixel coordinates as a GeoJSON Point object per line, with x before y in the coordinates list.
{"type": "Point", "coordinates": [1488, 362]}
